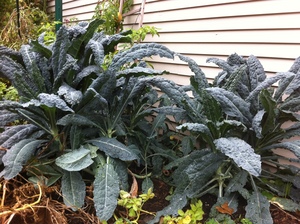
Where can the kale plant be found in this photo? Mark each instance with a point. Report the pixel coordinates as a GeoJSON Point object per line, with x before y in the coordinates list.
{"type": "Point", "coordinates": [238, 121]}
{"type": "Point", "coordinates": [85, 119]}
{"type": "Point", "coordinates": [80, 116]}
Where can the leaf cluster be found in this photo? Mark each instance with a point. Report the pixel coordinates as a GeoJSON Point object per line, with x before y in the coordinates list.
{"type": "Point", "coordinates": [238, 121]}
{"type": "Point", "coordinates": [190, 216]}
{"type": "Point", "coordinates": [133, 205]}
{"type": "Point", "coordinates": [84, 124]}
{"type": "Point", "coordinates": [7, 91]}
{"type": "Point", "coordinates": [108, 10]}
{"type": "Point", "coordinates": [87, 120]}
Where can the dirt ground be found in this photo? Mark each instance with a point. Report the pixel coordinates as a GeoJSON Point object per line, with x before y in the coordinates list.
{"type": "Point", "coordinates": [22, 203]}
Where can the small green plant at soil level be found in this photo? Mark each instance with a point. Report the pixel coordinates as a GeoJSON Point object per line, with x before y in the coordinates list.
{"type": "Point", "coordinates": [235, 123]}
{"type": "Point", "coordinates": [133, 206]}
{"type": "Point", "coordinates": [88, 124]}
{"type": "Point", "coordinates": [83, 124]}
{"type": "Point", "coordinates": [242, 221]}
{"type": "Point", "coordinates": [190, 216]}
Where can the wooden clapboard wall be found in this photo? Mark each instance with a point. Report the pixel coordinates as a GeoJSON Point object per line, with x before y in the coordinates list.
{"type": "Point", "coordinates": [82, 10]}
{"type": "Point", "coordinates": [268, 29]}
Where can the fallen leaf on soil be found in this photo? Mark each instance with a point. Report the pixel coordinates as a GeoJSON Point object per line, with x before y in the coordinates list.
{"type": "Point", "coordinates": [225, 209]}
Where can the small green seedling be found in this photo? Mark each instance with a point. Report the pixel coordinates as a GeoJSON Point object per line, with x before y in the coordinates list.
{"type": "Point", "coordinates": [133, 206]}
{"type": "Point", "coordinates": [190, 216]}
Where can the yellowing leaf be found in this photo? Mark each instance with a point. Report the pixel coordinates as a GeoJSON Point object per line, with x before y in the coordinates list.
{"type": "Point", "coordinates": [186, 220]}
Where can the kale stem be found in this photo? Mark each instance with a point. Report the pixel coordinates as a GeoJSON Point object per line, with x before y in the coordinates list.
{"type": "Point", "coordinates": [221, 182]}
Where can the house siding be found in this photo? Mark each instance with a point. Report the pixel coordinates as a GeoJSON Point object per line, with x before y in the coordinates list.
{"type": "Point", "coordinates": [200, 29]}
{"type": "Point", "coordinates": [82, 10]}
{"type": "Point", "coordinates": [268, 29]}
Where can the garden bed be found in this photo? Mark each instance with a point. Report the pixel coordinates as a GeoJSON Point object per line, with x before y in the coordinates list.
{"type": "Point", "coordinates": [82, 123]}
{"type": "Point", "coordinates": [20, 197]}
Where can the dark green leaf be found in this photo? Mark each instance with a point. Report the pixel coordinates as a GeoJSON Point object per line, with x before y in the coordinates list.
{"type": "Point", "coordinates": [37, 47]}
{"type": "Point", "coordinates": [177, 202]}
{"type": "Point", "coordinates": [106, 192]}
{"type": "Point", "coordinates": [75, 160]}
{"type": "Point", "coordinates": [221, 63]}
{"type": "Point", "coordinates": [17, 156]}
{"type": "Point", "coordinates": [258, 209]}
{"type": "Point", "coordinates": [231, 104]}
{"type": "Point", "coordinates": [194, 127]}
{"type": "Point", "coordinates": [139, 51]}
{"type": "Point", "coordinates": [293, 146]}
{"type": "Point", "coordinates": [84, 38]}
{"type": "Point", "coordinates": [73, 189]}
{"type": "Point", "coordinates": [234, 79]}
{"type": "Point", "coordinates": [266, 84]}
{"type": "Point", "coordinates": [256, 72]}
{"type": "Point", "coordinates": [59, 50]}
{"type": "Point", "coordinates": [146, 185]}
{"type": "Point", "coordinates": [286, 204]}
{"type": "Point", "coordinates": [49, 100]}
{"type": "Point", "coordinates": [12, 135]}
{"type": "Point", "coordinates": [139, 71]}
{"type": "Point", "coordinates": [86, 72]}
{"type": "Point", "coordinates": [98, 52]}
{"type": "Point", "coordinates": [112, 147]}
{"type": "Point", "coordinates": [199, 77]}
{"type": "Point", "coordinates": [238, 182]}
{"type": "Point", "coordinates": [241, 153]}
{"type": "Point", "coordinates": [257, 123]}
{"type": "Point", "coordinates": [71, 95]}
{"type": "Point", "coordinates": [296, 66]}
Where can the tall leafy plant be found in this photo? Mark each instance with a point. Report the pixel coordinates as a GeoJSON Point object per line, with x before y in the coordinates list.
{"type": "Point", "coordinates": [80, 117]}
{"type": "Point", "coordinates": [238, 121]}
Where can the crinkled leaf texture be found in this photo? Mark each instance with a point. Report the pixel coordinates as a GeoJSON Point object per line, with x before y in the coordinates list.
{"type": "Point", "coordinates": [139, 71]}
{"type": "Point", "coordinates": [256, 72]}
{"type": "Point", "coordinates": [201, 128]}
{"type": "Point", "coordinates": [241, 153]}
{"type": "Point", "coordinates": [16, 133]}
{"type": "Point", "coordinates": [256, 123]}
{"type": "Point", "coordinates": [17, 156]}
{"type": "Point", "coordinates": [112, 147]}
{"type": "Point", "coordinates": [193, 172]}
{"type": "Point", "coordinates": [231, 104]}
{"type": "Point", "coordinates": [75, 160]}
{"type": "Point", "coordinates": [199, 75]}
{"type": "Point", "coordinates": [106, 192]}
{"type": "Point", "coordinates": [76, 119]}
{"type": "Point", "coordinates": [73, 189]}
{"type": "Point", "coordinates": [6, 117]}
{"type": "Point", "coordinates": [139, 51]}
{"type": "Point", "coordinates": [49, 100]}
{"type": "Point", "coordinates": [293, 146]}
{"type": "Point", "coordinates": [71, 95]}
{"type": "Point", "coordinates": [258, 209]}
